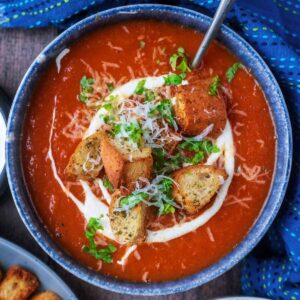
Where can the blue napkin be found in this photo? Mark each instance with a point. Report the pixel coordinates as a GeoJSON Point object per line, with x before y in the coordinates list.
{"type": "Point", "coordinates": [272, 27]}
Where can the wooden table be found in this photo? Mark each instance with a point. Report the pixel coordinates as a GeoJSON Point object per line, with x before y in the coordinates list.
{"type": "Point", "coordinates": [18, 48]}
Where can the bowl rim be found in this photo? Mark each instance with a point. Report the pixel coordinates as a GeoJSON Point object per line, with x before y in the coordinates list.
{"type": "Point", "coordinates": [268, 212]}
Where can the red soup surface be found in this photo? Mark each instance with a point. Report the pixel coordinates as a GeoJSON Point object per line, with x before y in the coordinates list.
{"type": "Point", "coordinates": [120, 53]}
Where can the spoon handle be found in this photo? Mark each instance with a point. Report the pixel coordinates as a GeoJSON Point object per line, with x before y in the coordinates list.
{"type": "Point", "coordinates": [218, 19]}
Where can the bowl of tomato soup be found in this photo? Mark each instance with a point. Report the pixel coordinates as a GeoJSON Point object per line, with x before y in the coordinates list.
{"type": "Point", "coordinates": [136, 173]}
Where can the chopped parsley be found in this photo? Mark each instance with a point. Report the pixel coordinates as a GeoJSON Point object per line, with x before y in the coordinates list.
{"type": "Point", "coordinates": [173, 79]}
{"type": "Point", "coordinates": [160, 197]}
{"type": "Point", "coordinates": [230, 73]}
{"type": "Point", "coordinates": [149, 95]}
{"type": "Point", "coordinates": [110, 86]}
{"type": "Point", "coordinates": [133, 130]}
{"type": "Point", "coordinates": [168, 209]}
{"type": "Point", "coordinates": [178, 61]}
{"type": "Point", "coordinates": [213, 87]}
{"type": "Point", "coordinates": [165, 187]}
{"type": "Point", "coordinates": [86, 87]}
{"type": "Point", "coordinates": [108, 185]}
{"type": "Point", "coordinates": [158, 61]}
{"type": "Point", "coordinates": [201, 148]}
{"type": "Point", "coordinates": [164, 164]}
{"type": "Point", "coordinates": [142, 44]}
{"type": "Point", "coordinates": [164, 108]}
{"type": "Point", "coordinates": [140, 87]}
{"type": "Point", "coordinates": [133, 199]}
{"type": "Point", "coordinates": [103, 254]}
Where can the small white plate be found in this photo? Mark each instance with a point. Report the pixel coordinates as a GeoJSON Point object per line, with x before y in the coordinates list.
{"type": "Point", "coordinates": [11, 254]}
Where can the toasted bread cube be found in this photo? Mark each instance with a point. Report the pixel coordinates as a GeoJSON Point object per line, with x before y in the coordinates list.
{"type": "Point", "coordinates": [123, 167]}
{"type": "Point", "coordinates": [128, 227]}
{"type": "Point", "coordinates": [195, 109]}
{"type": "Point", "coordinates": [18, 284]}
{"type": "Point", "coordinates": [48, 295]}
{"type": "Point", "coordinates": [196, 185]}
{"type": "Point", "coordinates": [86, 162]}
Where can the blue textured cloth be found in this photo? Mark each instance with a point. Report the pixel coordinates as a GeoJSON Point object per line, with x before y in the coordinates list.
{"type": "Point", "coordinates": [273, 28]}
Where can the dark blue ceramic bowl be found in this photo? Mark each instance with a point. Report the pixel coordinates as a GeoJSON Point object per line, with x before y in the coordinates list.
{"type": "Point", "coordinates": [244, 52]}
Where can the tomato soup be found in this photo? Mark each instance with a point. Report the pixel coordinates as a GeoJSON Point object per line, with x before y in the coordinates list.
{"type": "Point", "coordinates": [58, 118]}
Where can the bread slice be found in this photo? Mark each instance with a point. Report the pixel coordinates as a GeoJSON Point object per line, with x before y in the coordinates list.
{"type": "Point", "coordinates": [85, 162]}
{"type": "Point", "coordinates": [18, 284]}
{"type": "Point", "coordinates": [48, 295]}
{"type": "Point", "coordinates": [196, 185]}
{"type": "Point", "coordinates": [195, 109]}
{"type": "Point", "coordinates": [122, 166]}
{"type": "Point", "coordinates": [128, 227]}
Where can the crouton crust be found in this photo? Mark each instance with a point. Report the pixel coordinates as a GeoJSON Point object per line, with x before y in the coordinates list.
{"type": "Point", "coordinates": [48, 295]}
{"type": "Point", "coordinates": [128, 227]}
{"type": "Point", "coordinates": [195, 109]}
{"type": "Point", "coordinates": [18, 284]}
{"type": "Point", "coordinates": [196, 186]}
{"type": "Point", "coordinates": [122, 168]}
{"type": "Point", "coordinates": [85, 162]}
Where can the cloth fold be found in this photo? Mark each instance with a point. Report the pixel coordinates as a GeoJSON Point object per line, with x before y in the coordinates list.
{"type": "Point", "coordinates": [272, 27]}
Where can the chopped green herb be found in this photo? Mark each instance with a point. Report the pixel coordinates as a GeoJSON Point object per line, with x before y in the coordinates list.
{"type": "Point", "coordinates": [103, 254]}
{"type": "Point", "coordinates": [158, 158]}
{"type": "Point", "coordinates": [134, 131]}
{"type": "Point", "coordinates": [140, 88]}
{"type": "Point", "coordinates": [163, 164]}
{"type": "Point", "coordinates": [107, 119]}
{"type": "Point", "coordinates": [142, 44]}
{"type": "Point", "coordinates": [167, 209]}
{"type": "Point", "coordinates": [178, 61]}
{"type": "Point", "coordinates": [230, 73]}
{"type": "Point", "coordinates": [173, 79]}
{"type": "Point", "coordinates": [165, 187]}
{"type": "Point", "coordinates": [86, 87]}
{"type": "Point", "coordinates": [108, 106]}
{"type": "Point", "coordinates": [201, 148]}
{"type": "Point", "coordinates": [213, 87]}
{"type": "Point", "coordinates": [110, 86]}
{"type": "Point", "coordinates": [108, 185]}
{"type": "Point", "coordinates": [133, 199]}
{"type": "Point", "coordinates": [158, 61]}
{"type": "Point", "coordinates": [164, 108]}
{"type": "Point", "coordinates": [149, 95]}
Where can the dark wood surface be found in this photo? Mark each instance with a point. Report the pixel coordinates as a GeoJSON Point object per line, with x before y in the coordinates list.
{"type": "Point", "coordinates": [18, 48]}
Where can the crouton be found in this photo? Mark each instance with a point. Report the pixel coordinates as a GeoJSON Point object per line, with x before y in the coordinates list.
{"type": "Point", "coordinates": [122, 166]}
{"type": "Point", "coordinates": [195, 109]}
{"type": "Point", "coordinates": [85, 162]}
{"type": "Point", "coordinates": [48, 295]}
{"type": "Point", "coordinates": [18, 284]}
{"type": "Point", "coordinates": [128, 227]}
{"type": "Point", "coordinates": [196, 185]}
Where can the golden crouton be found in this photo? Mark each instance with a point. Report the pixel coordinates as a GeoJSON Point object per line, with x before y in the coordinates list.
{"type": "Point", "coordinates": [129, 227]}
{"type": "Point", "coordinates": [123, 167]}
{"type": "Point", "coordinates": [85, 162]}
{"type": "Point", "coordinates": [18, 284]}
{"type": "Point", "coordinates": [48, 295]}
{"type": "Point", "coordinates": [196, 185]}
{"type": "Point", "coordinates": [195, 109]}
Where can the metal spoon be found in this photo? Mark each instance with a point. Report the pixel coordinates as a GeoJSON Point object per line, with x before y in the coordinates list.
{"type": "Point", "coordinates": [218, 19]}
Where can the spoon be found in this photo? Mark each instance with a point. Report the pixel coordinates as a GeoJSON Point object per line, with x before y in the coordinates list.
{"type": "Point", "coordinates": [217, 21]}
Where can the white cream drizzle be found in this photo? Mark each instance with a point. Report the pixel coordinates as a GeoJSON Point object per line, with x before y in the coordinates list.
{"type": "Point", "coordinates": [59, 57]}
{"type": "Point", "coordinates": [94, 207]}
